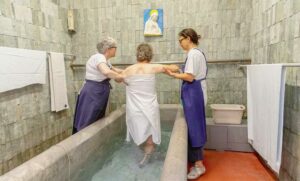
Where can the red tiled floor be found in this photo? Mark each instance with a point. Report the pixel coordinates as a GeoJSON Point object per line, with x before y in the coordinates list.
{"type": "Point", "coordinates": [234, 166]}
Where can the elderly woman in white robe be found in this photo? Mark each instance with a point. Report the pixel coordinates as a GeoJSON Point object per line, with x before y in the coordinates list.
{"type": "Point", "coordinates": [142, 108]}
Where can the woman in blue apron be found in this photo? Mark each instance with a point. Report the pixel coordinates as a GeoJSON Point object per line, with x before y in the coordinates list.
{"type": "Point", "coordinates": [93, 96]}
{"type": "Point", "coordinates": [193, 96]}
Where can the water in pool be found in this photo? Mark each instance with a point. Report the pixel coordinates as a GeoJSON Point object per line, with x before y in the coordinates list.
{"type": "Point", "coordinates": [122, 163]}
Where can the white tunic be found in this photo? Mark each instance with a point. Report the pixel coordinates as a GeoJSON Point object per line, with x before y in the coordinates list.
{"type": "Point", "coordinates": [92, 71]}
{"type": "Point", "coordinates": [196, 65]}
{"type": "Point", "coordinates": [142, 109]}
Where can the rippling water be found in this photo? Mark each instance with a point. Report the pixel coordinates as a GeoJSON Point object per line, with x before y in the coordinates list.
{"type": "Point", "coordinates": [122, 163]}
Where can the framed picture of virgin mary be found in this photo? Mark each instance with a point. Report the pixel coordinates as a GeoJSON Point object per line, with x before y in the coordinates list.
{"type": "Point", "coordinates": [153, 22]}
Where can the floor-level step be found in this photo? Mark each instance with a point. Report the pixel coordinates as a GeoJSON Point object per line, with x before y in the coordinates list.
{"type": "Point", "coordinates": [227, 136]}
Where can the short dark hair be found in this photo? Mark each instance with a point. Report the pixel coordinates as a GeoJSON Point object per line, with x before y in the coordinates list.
{"type": "Point", "coordinates": [144, 52]}
{"type": "Point", "coordinates": [189, 32]}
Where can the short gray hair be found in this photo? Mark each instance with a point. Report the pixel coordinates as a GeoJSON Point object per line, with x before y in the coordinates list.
{"type": "Point", "coordinates": [144, 52]}
{"type": "Point", "coordinates": [105, 44]}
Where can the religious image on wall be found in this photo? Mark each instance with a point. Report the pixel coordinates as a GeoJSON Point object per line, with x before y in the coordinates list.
{"type": "Point", "coordinates": [153, 22]}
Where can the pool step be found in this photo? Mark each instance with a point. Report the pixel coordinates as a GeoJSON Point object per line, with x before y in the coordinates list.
{"type": "Point", "coordinates": [227, 136]}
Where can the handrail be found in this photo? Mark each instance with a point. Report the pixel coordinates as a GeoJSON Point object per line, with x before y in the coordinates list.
{"type": "Point", "coordinates": [227, 61]}
{"type": "Point", "coordinates": [283, 64]}
{"type": "Point", "coordinates": [231, 61]}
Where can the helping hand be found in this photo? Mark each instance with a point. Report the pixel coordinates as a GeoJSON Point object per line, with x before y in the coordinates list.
{"type": "Point", "coordinates": [121, 79]}
{"type": "Point", "coordinates": [169, 72]}
{"type": "Point", "coordinates": [174, 68]}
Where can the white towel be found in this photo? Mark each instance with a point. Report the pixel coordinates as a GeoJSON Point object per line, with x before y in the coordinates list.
{"type": "Point", "coordinates": [142, 109]}
{"type": "Point", "coordinates": [58, 87]}
{"type": "Point", "coordinates": [265, 100]}
{"type": "Point", "coordinates": [21, 67]}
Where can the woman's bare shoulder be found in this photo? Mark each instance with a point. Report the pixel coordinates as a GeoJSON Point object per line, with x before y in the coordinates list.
{"type": "Point", "coordinates": [146, 68]}
{"type": "Point", "coordinates": [130, 70]}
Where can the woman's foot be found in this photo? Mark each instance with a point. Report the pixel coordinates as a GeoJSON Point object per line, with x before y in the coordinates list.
{"type": "Point", "coordinates": [145, 160]}
{"type": "Point", "coordinates": [196, 172]}
{"type": "Point", "coordinates": [148, 150]}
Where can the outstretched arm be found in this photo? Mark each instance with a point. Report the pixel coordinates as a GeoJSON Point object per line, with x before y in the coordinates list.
{"type": "Point", "coordinates": [159, 68]}
{"type": "Point", "coordinates": [172, 68]}
{"type": "Point", "coordinates": [184, 76]}
{"type": "Point", "coordinates": [118, 70]}
{"type": "Point", "coordinates": [110, 73]}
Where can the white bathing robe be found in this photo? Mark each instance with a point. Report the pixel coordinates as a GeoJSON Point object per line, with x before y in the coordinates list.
{"type": "Point", "coordinates": [142, 109]}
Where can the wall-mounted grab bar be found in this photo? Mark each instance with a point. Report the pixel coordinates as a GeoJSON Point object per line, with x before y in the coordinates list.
{"type": "Point", "coordinates": [229, 61]}
{"type": "Point", "coordinates": [283, 64]}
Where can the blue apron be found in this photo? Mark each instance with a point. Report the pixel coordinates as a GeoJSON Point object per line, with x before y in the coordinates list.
{"type": "Point", "coordinates": [194, 110]}
{"type": "Point", "coordinates": [91, 103]}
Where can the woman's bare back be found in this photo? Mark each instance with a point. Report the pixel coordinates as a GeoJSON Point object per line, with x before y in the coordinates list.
{"type": "Point", "coordinates": [143, 68]}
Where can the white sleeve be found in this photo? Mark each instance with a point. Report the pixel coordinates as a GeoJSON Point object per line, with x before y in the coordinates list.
{"type": "Point", "coordinates": [99, 59]}
{"type": "Point", "coordinates": [191, 64]}
{"type": "Point", "coordinates": [196, 65]}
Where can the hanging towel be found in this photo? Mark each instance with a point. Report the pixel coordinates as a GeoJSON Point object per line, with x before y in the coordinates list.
{"type": "Point", "coordinates": [58, 87]}
{"type": "Point", "coordinates": [142, 109]}
{"type": "Point", "coordinates": [265, 100]}
{"type": "Point", "coordinates": [21, 67]}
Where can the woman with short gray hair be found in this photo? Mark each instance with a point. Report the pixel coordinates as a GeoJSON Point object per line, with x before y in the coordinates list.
{"type": "Point", "coordinates": [142, 108]}
{"type": "Point", "coordinates": [105, 44]}
{"type": "Point", "coordinates": [144, 52]}
{"type": "Point", "coordinates": [93, 97]}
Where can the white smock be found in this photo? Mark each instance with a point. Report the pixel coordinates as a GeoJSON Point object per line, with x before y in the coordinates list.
{"type": "Point", "coordinates": [142, 109]}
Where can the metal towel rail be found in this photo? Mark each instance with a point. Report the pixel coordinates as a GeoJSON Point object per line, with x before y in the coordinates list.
{"type": "Point", "coordinates": [66, 56]}
{"type": "Point", "coordinates": [71, 56]}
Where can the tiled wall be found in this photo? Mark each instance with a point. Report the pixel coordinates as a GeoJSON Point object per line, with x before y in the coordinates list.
{"type": "Point", "coordinates": [224, 26]}
{"type": "Point", "coordinates": [275, 37]}
{"type": "Point", "coordinates": [27, 126]}
{"type": "Point", "coordinates": [265, 31]}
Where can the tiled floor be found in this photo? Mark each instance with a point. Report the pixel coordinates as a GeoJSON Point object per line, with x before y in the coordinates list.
{"type": "Point", "coordinates": [234, 166]}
